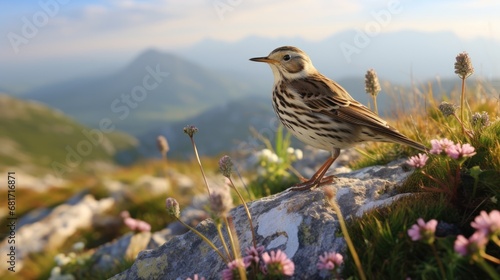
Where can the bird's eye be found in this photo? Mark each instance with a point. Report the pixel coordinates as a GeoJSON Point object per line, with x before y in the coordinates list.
{"type": "Point", "coordinates": [286, 57]}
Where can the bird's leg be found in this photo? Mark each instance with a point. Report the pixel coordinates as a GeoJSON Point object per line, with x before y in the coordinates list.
{"type": "Point", "coordinates": [317, 179]}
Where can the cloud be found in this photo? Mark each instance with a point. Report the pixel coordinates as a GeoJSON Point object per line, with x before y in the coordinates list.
{"type": "Point", "coordinates": [85, 27]}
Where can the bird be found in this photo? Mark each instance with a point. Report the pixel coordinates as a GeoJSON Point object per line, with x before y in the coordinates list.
{"type": "Point", "coordinates": [321, 113]}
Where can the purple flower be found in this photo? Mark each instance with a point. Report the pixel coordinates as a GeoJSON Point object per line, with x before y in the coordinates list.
{"type": "Point", "coordinates": [458, 151]}
{"type": "Point", "coordinates": [423, 231]}
{"type": "Point", "coordinates": [232, 270]}
{"type": "Point", "coordinates": [474, 244]}
{"type": "Point", "coordinates": [418, 161]}
{"type": "Point", "coordinates": [278, 264]}
{"type": "Point", "coordinates": [487, 223]}
{"type": "Point", "coordinates": [329, 261]}
{"type": "Point", "coordinates": [438, 146]}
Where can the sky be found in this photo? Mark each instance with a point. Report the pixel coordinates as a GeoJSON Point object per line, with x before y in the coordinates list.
{"type": "Point", "coordinates": [48, 30]}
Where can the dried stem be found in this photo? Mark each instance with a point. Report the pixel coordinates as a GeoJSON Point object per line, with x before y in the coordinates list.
{"type": "Point", "coordinates": [249, 216]}
{"type": "Point", "coordinates": [199, 164]}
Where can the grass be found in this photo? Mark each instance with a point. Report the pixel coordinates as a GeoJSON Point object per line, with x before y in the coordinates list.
{"type": "Point", "coordinates": [450, 191]}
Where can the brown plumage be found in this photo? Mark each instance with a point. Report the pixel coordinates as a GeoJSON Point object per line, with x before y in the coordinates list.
{"type": "Point", "coordinates": [321, 113]}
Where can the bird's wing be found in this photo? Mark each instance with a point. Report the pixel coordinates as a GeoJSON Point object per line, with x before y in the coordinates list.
{"type": "Point", "coordinates": [324, 96]}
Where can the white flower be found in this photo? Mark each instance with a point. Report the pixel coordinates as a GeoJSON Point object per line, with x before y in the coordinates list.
{"type": "Point", "coordinates": [61, 259]}
{"type": "Point", "coordinates": [56, 271]}
{"type": "Point", "coordinates": [298, 154]}
{"type": "Point", "coordinates": [266, 153]}
{"type": "Point", "coordinates": [78, 246]}
{"type": "Point", "coordinates": [290, 150]}
{"type": "Point", "coordinates": [274, 158]}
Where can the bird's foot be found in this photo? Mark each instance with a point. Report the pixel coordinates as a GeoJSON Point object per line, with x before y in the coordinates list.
{"type": "Point", "coordinates": [312, 183]}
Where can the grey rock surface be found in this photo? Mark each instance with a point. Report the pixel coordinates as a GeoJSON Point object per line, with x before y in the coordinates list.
{"type": "Point", "coordinates": [54, 228]}
{"type": "Point", "coordinates": [302, 224]}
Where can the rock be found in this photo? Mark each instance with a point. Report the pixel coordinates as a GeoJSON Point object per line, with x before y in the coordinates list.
{"type": "Point", "coordinates": [152, 185]}
{"type": "Point", "coordinates": [50, 232]}
{"type": "Point", "coordinates": [125, 248]}
{"type": "Point", "coordinates": [302, 224]}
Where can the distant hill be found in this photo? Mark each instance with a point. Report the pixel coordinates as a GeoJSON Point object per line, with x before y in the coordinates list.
{"type": "Point", "coordinates": [221, 129]}
{"type": "Point", "coordinates": [155, 88]}
{"type": "Point", "coordinates": [226, 127]}
{"type": "Point", "coordinates": [36, 137]}
{"type": "Point", "coordinates": [396, 56]}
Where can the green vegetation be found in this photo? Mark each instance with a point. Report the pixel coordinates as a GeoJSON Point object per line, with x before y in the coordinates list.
{"type": "Point", "coordinates": [274, 164]}
{"type": "Point", "coordinates": [451, 190]}
{"type": "Point", "coordinates": [34, 136]}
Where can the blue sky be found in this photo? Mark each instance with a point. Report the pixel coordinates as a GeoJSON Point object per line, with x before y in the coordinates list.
{"type": "Point", "coordinates": [89, 26]}
{"type": "Point", "coordinates": [119, 28]}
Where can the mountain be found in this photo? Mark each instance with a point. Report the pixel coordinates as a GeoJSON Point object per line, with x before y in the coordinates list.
{"type": "Point", "coordinates": [155, 88]}
{"type": "Point", "coordinates": [220, 129]}
{"type": "Point", "coordinates": [226, 127]}
{"type": "Point", "coordinates": [396, 56]}
{"type": "Point", "coordinates": [36, 137]}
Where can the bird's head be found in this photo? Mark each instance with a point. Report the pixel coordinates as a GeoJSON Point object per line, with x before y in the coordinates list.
{"type": "Point", "coordinates": [288, 63]}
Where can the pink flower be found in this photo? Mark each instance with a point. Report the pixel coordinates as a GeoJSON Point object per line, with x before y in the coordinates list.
{"type": "Point", "coordinates": [134, 224]}
{"type": "Point", "coordinates": [278, 264]}
{"type": "Point", "coordinates": [438, 146]}
{"type": "Point", "coordinates": [232, 270]}
{"type": "Point", "coordinates": [253, 254]}
{"type": "Point", "coordinates": [474, 244]}
{"type": "Point", "coordinates": [418, 161]}
{"type": "Point", "coordinates": [143, 226]}
{"type": "Point", "coordinates": [195, 277]}
{"type": "Point", "coordinates": [487, 223]}
{"type": "Point", "coordinates": [423, 231]}
{"type": "Point", "coordinates": [329, 261]}
{"type": "Point", "coordinates": [131, 223]}
{"type": "Point", "coordinates": [458, 151]}
{"type": "Point", "coordinates": [124, 214]}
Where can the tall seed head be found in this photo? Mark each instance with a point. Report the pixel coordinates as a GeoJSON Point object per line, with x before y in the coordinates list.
{"type": "Point", "coordinates": [220, 202]}
{"type": "Point", "coordinates": [190, 130]}
{"type": "Point", "coordinates": [162, 144]}
{"type": "Point", "coordinates": [172, 207]}
{"type": "Point", "coordinates": [480, 119]}
{"type": "Point", "coordinates": [463, 65]}
{"type": "Point", "coordinates": [447, 109]}
{"type": "Point", "coordinates": [372, 86]}
{"type": "Point", "coordinates": [225, 166]}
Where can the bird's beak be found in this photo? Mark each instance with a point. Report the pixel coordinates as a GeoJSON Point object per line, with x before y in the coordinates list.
{"type": "Point", "coordinates": [263, 59]}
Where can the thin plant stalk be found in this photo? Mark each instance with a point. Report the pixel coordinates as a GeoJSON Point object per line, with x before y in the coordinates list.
{"type": "Point", "coordinates": [348, 240]}
{"type": "Point", "coordinates": [462, 101]}
{"type": "Point", "coordinates": [221, 237]}
{"type": "Point", "coordinates": [235, 247]}
{"type": "Point", "coordinates": [440, 264]}
{"type": "Point", "coordinates": [249, 216]}
{"type": "Point", "coordinates": [204, 239]}
{"type": "Point", "coordinates": [496, 240]}
{"type": "Point", "coordinates": [491, 272]}
{"type": "Point", "coordinates": [490, 258]}
{"type": "Point", "coordinates": [375, 108]}
{"type": "Point", "coordinates": [199, 164]}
